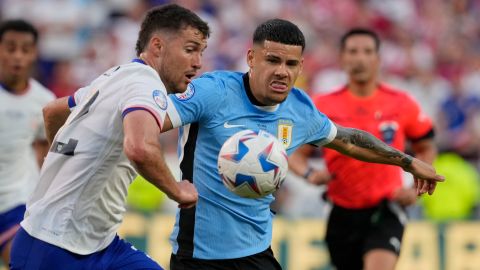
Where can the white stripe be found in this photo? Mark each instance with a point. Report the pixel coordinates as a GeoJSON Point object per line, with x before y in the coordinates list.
{"type": "Point", "coordinates": [331, 135]}
{"type": "Point", "coordinates": [183, 141]}
{"type": "Point", "coordinates": [173, 113]}
{"type": "Point", "coordinates": [399, 212]}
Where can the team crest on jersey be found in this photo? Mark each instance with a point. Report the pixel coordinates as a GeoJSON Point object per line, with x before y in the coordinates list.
{"type": "Point", "coordinates": [160, 99]}
{"type": "Point", "coordinates": [188, 94]}
{"type": "Point", "coordinates": [388, 129]}
{"type": "Point", "coordinates": [284, 133]}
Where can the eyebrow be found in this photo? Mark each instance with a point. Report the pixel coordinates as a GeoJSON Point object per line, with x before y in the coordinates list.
{"type": "Point", "coordinates": [272, 56]}
{"type": "Point", "coordinates": [290, 61]}
{"type": "Point", "coordinates": [196, 43]}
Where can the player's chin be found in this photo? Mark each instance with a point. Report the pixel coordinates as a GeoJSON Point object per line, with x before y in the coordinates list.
{"type": "Point", "coordinates": [362, 77]}
{"type": "Point", "coordinates": [180, 87]}
{"type": "Point", "coordinates": [278, 98]}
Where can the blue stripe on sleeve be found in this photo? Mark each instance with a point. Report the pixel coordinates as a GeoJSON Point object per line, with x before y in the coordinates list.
{"type": "Point", "coordinates": [71, 102]}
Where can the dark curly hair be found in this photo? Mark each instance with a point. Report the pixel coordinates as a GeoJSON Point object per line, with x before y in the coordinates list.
{"type": "Point", "coordinates": [281, 31]}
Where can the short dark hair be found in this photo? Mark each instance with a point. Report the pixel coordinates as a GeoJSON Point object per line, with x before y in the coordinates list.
{"type": "Point", "coordinates": [360, 31]}
{"type": "Point", "coordinates": [278, 30]}
{"type": "Point", "coordinates": [170, 17]}
{"type": "Point", "coordinates": [18, 26]}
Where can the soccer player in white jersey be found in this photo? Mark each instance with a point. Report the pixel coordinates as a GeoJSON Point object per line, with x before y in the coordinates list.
{"type": "Point", "coordinates": [22, 135]}
{"type": "Point", "coordinates": [114, 127]}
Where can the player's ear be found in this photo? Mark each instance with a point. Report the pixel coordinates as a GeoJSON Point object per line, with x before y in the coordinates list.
{"type": "Point", "coordinates": [301, 65]}
{"type": "Point", "coordinates": [156, 44]}
{"type": "Point", "coordinates": [250, 56]}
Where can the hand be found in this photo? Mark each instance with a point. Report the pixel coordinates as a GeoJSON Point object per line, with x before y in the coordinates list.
{"type": "Point", "coordinates": [188, 195]}
{"type": "Point", "coordinates": [319, 177]}
{"type": "Point", "coordinates": [405, 196]}
{"type": "Point", "coordinates": [425, 176]}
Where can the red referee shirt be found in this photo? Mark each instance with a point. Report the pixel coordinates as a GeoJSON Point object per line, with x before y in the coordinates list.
{"type": "Point", "coordinates": [390, 115]}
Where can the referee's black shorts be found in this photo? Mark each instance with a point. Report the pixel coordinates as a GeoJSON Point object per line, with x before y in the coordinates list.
{"type": "Point", "coordinates": [260, 261]}
{"type": "Point", "coordinates": [351, 233]}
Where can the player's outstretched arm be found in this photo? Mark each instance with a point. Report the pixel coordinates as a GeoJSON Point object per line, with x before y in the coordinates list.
{"type": "Point", "coordinates": [142, 146]}
{"type": "Point", "coordinates": [366, 147]}
{"type": "Point", "coordinates": [55, 113]}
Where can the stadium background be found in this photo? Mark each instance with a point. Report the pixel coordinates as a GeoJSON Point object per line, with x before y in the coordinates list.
{"type": "Point", "coordinates": [430, 48]}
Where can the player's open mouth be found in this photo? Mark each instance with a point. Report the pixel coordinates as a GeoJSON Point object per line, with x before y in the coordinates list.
{"type": "Point", "coordinates": [279, 86]}
{"type": "Point", "coordinates": [190, 77]}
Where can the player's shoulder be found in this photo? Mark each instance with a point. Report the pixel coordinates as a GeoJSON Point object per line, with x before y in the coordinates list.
{"type": "Point", "coordinates": [223, 76]}
{"type": "Point", "coordinates": [40, 92]}
{"type": "Point", "coordinates": [299, 100]}
{"type": "Point", "coordinates": [135, 68]}
{"type": "Point", "coordinates": [219, 79]}
{"type": "Point", "coordinates": [299, 95]}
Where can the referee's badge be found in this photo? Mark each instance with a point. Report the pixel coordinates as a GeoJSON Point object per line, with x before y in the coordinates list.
{"type": "Point", "coordinates": [284, 133]}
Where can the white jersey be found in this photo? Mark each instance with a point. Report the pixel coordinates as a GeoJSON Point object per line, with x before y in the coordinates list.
{"type": "Point", "coordinates": [79, 201]}
{"type": "Point", "coordinates": [21, 123]}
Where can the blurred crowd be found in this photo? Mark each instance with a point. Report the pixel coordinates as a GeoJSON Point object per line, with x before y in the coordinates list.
{"type": "Point", "coordinates": [429, 48]}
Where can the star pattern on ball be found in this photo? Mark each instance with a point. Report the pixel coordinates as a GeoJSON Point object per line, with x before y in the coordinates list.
{"type": "Point", "coordinates": [249, 180]}
{"type": "Point", "coordinates": [241, 150]}
{"type": "Point", "coordinates": [263, 158]}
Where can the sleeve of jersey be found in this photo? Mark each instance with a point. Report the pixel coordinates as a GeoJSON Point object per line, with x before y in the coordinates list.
{"type": "Point", "coordinates": [147, 94]}
{"type": "Point", "coordinates": [77, 97]}
{"type": "Point", "coordinates": [322, 129]}
{"type": "Point", "coordinates": [198, 103]}
{"type": "Point", "coordinates": [418, 124]}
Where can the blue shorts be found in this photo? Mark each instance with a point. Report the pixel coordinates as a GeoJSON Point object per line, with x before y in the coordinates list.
{"type": "Point", "coordinates": [29, 253]}
{"type": "Point", "coordinates": [9, 224]}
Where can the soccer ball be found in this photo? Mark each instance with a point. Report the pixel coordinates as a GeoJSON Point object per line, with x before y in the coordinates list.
{"type": "Point", "coordinates": [252, 164]}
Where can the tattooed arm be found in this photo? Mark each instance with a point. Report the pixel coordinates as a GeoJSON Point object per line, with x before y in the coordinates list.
{"type": "Point", "coordinates": [366, 147]}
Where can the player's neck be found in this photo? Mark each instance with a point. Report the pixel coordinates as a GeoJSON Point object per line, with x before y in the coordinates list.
{"type": "Point", "coordinates": [362, 89]}
{"type": "Point", "coordinates": [15, 85]}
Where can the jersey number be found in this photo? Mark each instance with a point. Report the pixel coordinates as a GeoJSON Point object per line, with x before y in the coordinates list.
{"type": "Point", "coordinates": [68, 148]}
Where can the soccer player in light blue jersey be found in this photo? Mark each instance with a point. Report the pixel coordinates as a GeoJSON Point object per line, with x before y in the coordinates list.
{"type": "Point", "coordinates": [225, 231]}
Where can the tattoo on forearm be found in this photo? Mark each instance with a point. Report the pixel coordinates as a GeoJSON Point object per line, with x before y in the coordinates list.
{"type": "Point", "coordinates": [366, 140]}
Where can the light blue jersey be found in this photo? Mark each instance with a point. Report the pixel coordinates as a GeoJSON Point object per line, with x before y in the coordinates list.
{"type": "Point", "coordinates": [214, 107]}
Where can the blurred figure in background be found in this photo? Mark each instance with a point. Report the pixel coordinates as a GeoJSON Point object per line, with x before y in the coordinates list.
{"type": "Point", "coordinates": [23, 143]}
{"type": "Point", "coordinates": [371, 196]}
{"type": "Point", "coordinates": [458, 117]}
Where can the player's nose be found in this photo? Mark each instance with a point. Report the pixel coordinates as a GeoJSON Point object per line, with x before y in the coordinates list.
{"type": "Point", "coordinates": [281, 71]}
{"type": "Point", "coordinates": [197, 61]}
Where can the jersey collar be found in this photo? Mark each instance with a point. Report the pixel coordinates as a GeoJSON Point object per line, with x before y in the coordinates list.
{"type": "Point", "coordinates": [252, 98]}
{"type": "Point", "coordinates": [138, 60]}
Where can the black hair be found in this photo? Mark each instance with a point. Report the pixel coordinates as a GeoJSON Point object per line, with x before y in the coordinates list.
{"type": "Point", "coordinates": [170, 17]}
{"type": "Point", "coordinates": [18, 26]}
{"type": "Point", "coordinates": [360, 31]}
{"type": "Point", "coordinates": [278, 30]}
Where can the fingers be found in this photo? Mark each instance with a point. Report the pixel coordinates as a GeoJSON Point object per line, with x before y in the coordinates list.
{"type": "Point", "coordinates": [440, 178]}
{"type": "Point", "coordinates": [421, 186]}
{"type": "Point", "coordinates": [431, 188]}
